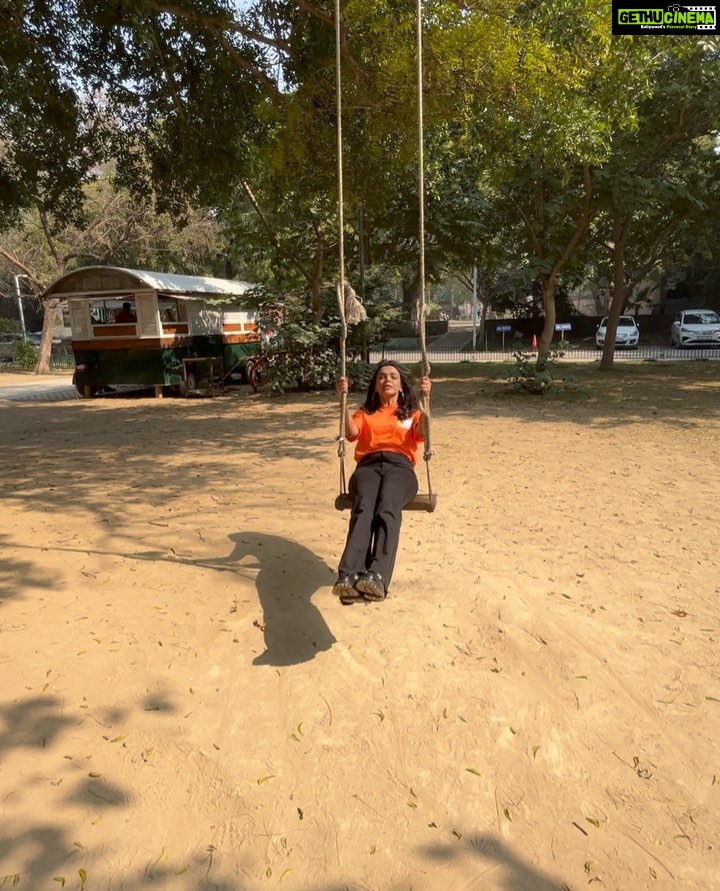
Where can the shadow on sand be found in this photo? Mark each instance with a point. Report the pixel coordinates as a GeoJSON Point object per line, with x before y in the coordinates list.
{"type": "Point", "coordinates": [288, 576]}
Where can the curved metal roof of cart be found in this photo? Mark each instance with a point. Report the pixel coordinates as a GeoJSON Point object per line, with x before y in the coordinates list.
{"type": "Point", "coordinates": [95, 280]}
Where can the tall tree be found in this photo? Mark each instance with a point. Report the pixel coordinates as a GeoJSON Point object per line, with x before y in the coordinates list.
{"type": "Point", "coordinates": [661, 176]}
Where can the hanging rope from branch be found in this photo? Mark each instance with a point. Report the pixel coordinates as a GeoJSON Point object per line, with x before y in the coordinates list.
{"type": "Point", "coordinates": [421, 310]}
{"type": "Point", "coordinates": [341, 243]}
{"type": "Point", "coordinates": [420, 300]}
{"type": "Point", "coordinates": [350, 306]}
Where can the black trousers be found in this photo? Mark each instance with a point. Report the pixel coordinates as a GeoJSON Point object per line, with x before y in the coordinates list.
{"type": "Point", "coordinates": [381, 485]}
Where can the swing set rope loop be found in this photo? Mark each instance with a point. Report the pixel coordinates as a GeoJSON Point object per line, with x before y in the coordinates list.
{"type": "Point", "coordinates": [421, 310]}
{"type": "Point", "coordinates": [342, 287]}
{"type": "Point", "coordinates": [341, 242]}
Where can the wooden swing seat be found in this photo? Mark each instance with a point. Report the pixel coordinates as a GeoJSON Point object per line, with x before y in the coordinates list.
{"type": "Point", "coordinates": [427, 503]}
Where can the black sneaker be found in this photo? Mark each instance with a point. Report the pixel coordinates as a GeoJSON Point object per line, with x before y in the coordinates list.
{"type": "Point", "coordinates": [372, 585]}
{"type": "Point", "coordinates": [345, 589]}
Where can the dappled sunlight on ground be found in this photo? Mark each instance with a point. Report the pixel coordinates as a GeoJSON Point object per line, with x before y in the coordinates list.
{"type": "Point", "coordinates": [535, 707]}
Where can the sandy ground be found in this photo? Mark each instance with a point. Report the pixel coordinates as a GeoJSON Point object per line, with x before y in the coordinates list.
{"type": "Point", "coordinates": [535, 707]}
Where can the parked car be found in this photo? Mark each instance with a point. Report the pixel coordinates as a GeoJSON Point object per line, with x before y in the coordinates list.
{"type": "Point", "coordinates": [627, 334]}
{"type": "Point", "coordinates": [695, 327]}
{"type": "Point", "coordinates": [36, 336]}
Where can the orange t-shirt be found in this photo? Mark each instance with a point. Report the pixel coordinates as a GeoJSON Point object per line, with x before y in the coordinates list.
{"type": "Point", "coordinates": [383, 431]}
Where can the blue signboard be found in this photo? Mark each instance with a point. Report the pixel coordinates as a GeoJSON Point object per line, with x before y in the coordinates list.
{"type": "Point", "coordinates": [503, 328]}
{"type": "Point", "coordinates": [563, 326]}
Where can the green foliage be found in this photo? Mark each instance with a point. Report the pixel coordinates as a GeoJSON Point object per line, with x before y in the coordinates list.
{"type": "Point", "coordinates": [526, 378]}
{"type": "Point", "coordinates": [206, 103]}
{"type": "Point", "coordinates": [305, 364]}
{"type": "Point", "coordinates": [524, 300]}
{"type": "Point", "coordinates": [658, 194]}
{"type": "Point", "coordinates": [118, 230]}
{"type": "Point", "coordinates": [359, 373]}
{"type": "Point", "coordinates": [304, 354]}
{"type": "Point", "coordinates": [50, 141]}
{"type": "Point", "coordinates": [26, 355]}
{"type": "Point", "coordinates": [382, 307]}
{"type": "Point", "coordinates": [9, 326]}
{"type": "Point", "coordinates": [310, 366]}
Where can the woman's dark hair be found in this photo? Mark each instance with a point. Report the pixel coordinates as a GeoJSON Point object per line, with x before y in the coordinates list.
{"type": "Point", "coordinates": [407, 400]}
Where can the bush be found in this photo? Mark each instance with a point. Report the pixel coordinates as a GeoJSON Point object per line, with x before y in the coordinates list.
{"type": "Point", "coordinates": [526, 378]}
{"type": "Point", "coordinates": [9, 326]}
{"type": "Point", "coordinates": [359, 373]}
{"type": "Point", "coordinates": [303, 354]}
{"type": "Point", "coordinates": [26, 355]}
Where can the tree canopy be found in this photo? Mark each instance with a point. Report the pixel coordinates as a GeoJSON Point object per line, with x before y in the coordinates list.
{"type": "Point", "coordinates": [535, 119]}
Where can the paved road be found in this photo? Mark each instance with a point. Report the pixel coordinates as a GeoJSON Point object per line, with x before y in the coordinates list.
{"type": "Point", "coordinates": [57, 389]}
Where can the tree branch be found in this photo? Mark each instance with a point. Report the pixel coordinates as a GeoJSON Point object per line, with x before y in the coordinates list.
{"type": "Point", "coordinates": [219, 22]}
{"type": "Point", "coordinates": [582, 223]}
{"type": "Point", "coordinates": [315, 12]}
{"type": "Point", "coordinates": [45, 223]}
{"type": "Point", "coordinates": [242, 62]}
{"type": "Point", "coordinates": [272, 234]}
{"type": "Point", "coordinates": [13, 260]}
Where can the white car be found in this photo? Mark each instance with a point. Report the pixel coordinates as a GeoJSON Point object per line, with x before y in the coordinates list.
{"type": "Point", "coordinates": [627, 334]}
{"type": "Point", "coordinates": [695, 327]}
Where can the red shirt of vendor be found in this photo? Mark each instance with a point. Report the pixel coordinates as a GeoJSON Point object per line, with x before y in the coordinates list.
{"type": "Point", "coordinates": [125, 315]}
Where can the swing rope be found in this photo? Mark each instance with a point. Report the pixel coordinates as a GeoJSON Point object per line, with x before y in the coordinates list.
{"type": "Point", "coordinates": [421, 309]}
{"type": "Point", "coordinates": [347, 298]}
{"type": "Point", "coordinates": [341, 247]}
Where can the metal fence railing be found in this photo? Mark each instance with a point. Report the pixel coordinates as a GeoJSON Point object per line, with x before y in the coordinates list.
{"type": "Point", "coordinates": [62, 361]}
{"type": "Point", "coordinates": [570, 353]}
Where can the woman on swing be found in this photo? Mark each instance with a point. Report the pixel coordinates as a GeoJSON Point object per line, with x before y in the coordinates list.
{"type": "Point", "coordinates": [387, 429]}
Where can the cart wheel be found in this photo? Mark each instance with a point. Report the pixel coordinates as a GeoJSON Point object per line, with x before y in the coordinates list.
{"type": "Point", "coordinates": [254, 376]}
{"type": "Point", "coordinates": [188, 385]}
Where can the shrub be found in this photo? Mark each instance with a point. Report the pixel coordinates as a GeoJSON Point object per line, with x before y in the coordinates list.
{"type": "Point", "coordinates": [302, 354]}
{"type": "Point", "coordinates": [26, 355]}
{"type": "Point", "coordinates": [526, 378]}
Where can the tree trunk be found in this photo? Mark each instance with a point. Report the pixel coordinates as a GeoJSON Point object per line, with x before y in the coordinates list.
{"type": "Point", "coordinates": [548, 278]}
{"type": "Point", "coordinates": [483, 316]}
{"type": "Point", "coordinates": [619, 295]}
{"type": "Point", "coordinates": [316, 299]}
{"type": "Point", "coordinates": [48, 328]}
{"type": "Point", "coordinates": [409, 294]}
{"type": "Point", "coordinates": [49, 306]}
{"type": "Point", "coordinates": [316, 277]}
{"type": "Point", "coordinates": [548, 288]}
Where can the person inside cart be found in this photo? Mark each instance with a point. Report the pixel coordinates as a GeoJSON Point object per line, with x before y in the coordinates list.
{"type": "Point", "coordinates": [125, 315]}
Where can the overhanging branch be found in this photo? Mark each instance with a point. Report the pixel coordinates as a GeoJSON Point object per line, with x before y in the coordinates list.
{"type": "Point", "coordinates": [272, 235]}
